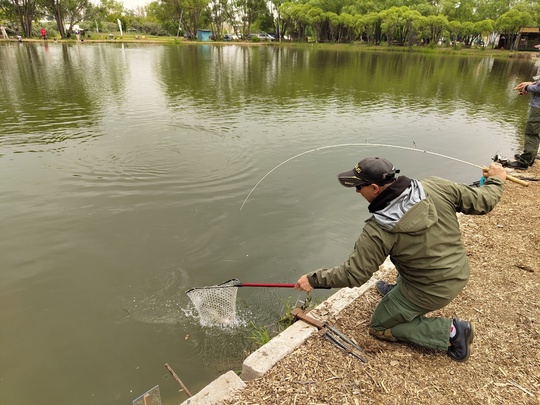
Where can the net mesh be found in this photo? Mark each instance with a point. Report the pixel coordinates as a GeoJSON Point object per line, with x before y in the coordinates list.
{"type": "Point", "coordinates": [216, 305]}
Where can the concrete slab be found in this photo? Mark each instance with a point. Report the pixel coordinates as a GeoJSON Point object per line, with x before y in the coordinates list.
{"type": "Point", "coordinates": [263, 359]}
{"type": "Point", "coordinates": [218, 390]}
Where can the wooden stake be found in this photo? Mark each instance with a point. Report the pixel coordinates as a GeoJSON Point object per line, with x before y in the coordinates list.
{"type": "Point", "coordinates": [178, 379]}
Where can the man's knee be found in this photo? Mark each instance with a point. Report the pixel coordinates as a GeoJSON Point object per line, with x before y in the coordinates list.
{"type": "Point", "coordinates": [384, 334]}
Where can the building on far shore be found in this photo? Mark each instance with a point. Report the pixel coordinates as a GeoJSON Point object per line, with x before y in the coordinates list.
{"type": "Point", "coordinates": [527, 38]}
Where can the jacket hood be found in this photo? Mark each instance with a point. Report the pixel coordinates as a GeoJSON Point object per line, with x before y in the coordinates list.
{"type": "Point", "coordinates": [410, 212]}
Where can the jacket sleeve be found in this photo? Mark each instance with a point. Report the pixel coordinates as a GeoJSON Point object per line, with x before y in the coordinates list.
{"type": "Point", "coordinates": [370, 251]}
{"type": "Point", "coordinates": [533, 88]}
{"type": "Point", "coordinates": [480, 200]}
{"type": "Point", "coordinates": [466, 199]}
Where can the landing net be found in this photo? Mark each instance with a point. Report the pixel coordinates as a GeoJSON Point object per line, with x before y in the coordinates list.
{"type": "Point", "coordinates": [216, 305]}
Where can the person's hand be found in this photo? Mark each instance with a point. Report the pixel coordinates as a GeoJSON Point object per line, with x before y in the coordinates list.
{"type": "Point", "coordinates": [521, 88]}
{"type": "Point", "coordinates": [494, 169]}
{"type": "Point", "coordinates": [303, 284]}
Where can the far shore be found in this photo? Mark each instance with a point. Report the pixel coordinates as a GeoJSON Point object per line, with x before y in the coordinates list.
{"type": "Point", "coordinates": [356, 46]}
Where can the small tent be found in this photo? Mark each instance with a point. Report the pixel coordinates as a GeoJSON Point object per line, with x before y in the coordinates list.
{"type": "Point", "coordinates": [204, 35]}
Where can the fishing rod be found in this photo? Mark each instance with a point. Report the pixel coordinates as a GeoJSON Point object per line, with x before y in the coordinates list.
{"type": "Point", "coordinates": [511, 178]}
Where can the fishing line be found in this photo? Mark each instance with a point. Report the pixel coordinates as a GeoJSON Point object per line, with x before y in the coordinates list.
{"type": "Point", "coordinates": [355, 144]}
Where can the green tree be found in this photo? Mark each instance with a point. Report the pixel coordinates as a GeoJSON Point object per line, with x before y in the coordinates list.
{"type": "Point", "coordinates": [164, 14]}
{"type": "Point", "coordinates": [492, 9]}
{"type": "Point", "coordinates": [483, 29]}
{"type": "Point", "coordinates": [296, 19]}
{"type": "Point", "coordinates": [467, 32]}
{"type": "Point", "coordinates": [218, 13]}
{"type": "Point", "coordinates": [25, 12]}
{"type": "Point", "coordinates": [70, 11]}
{"type": "Point", "coordinates": [460, 10]}
{"type": "Point", "coordinates": [364, 7]}
{"type": "Point", "coordinates": [370, 25]}
{"type": "Point", "coordinates": [436, 25]}
{"type": "Point", "coordinates": [249, 11]}
{"type": "Point", "coordinates": [316, 19]}
{"type": "Point", "coordinates": [347, 30]}
{"type": "Point", "coordinates": [454, 30]}
{"type": "Point", "coordinates": [400, 24]}
{"type": "Point", "coordinates": [333, 25]}
{"type": "Point", "coordinates": [189, 13]}
{"type": "Point", "coordinates": [334, 6]}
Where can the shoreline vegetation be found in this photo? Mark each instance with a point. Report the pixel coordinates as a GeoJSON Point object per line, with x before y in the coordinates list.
{"type": "Point", "coordinates": [457, 49]}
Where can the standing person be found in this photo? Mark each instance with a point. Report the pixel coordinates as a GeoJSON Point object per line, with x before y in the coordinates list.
{"type": "Point", "coordinates": [44, 33]}
{"type": "Point", "coordinates": [415, 223]}
{"type": "Point", "coordinates": [532, 128]}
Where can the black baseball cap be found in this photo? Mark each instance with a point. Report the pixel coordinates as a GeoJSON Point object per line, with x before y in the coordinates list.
{"type": "Point", "coordinates": [371, 170]}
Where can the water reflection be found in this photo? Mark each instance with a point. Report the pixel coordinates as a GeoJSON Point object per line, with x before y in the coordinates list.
{"type": "Point", "coordinates": [55, 92]}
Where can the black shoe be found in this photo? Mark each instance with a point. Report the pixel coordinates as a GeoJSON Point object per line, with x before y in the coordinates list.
{"type": "Point", "coordinates": [383, 287]}
{"type": "Point", "coordinates": [459, 349]}
{"type": "Point", "coordinates": [518, 157]}
{"type": "Point", "coordinates": [517, 165]}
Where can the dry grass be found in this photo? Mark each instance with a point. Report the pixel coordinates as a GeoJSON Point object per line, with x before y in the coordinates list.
{"type": "Point", "coordinates": [502, 299]}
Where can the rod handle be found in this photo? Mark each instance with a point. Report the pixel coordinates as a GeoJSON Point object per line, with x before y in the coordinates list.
{"type": "Point", "coordinates": [516, 180]}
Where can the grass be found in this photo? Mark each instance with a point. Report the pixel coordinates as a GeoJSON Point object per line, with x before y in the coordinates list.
{"type": "Point", "coordinates": [260, 334]}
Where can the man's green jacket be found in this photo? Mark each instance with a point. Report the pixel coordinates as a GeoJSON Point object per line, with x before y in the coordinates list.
{"type": "Point", "coordinates": [423, 240]}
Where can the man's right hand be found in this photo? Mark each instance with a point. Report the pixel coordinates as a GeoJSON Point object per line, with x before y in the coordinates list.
{"type": "Point", "coordinates": [303, 284]}
{"type": "Point", "coordinates": [494, 169]}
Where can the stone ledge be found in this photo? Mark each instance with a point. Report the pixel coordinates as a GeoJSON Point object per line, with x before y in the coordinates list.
{"type": "Point", "coordinates": [263, 359]}
{"type": "Point", "coordinates": [218, 390]}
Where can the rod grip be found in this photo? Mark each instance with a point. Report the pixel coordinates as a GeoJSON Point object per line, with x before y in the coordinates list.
{"type": "Point", "coordinates": [516, 180]}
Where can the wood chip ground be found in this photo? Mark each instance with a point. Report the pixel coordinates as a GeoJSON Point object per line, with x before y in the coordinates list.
{"type": "Point", "coordinates": [502, 298]}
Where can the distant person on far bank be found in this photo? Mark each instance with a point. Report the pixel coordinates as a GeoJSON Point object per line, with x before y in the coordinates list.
{"type": "Point", "coordinates": [532, 127]}
{"type": "Point", "coordinates": [44, 33]}
{"type": "Point", "coordinates": [415, 224]}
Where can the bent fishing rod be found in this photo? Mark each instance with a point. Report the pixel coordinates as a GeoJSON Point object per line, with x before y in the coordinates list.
{"type": "Point", "coordinates": [509, 177]}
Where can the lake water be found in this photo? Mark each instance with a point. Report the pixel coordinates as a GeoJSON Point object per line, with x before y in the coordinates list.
{"type": "Point", "coordinates": [125, 168]}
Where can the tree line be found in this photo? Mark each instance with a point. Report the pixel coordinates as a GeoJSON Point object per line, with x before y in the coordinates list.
{"type": "Point", "coordinates": [402, 22]}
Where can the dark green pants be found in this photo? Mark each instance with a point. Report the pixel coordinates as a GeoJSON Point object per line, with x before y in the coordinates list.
{"type": "Point", "coordinates": [532, 137]}
{"type": "Point", "coordinates": [397, 319]}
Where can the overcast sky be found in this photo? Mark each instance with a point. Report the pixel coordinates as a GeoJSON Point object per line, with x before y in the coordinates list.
{"type": "Point", "coordinates": [131, 4]}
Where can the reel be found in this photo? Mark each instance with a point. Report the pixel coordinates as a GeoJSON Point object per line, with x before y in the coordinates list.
{"type": "Point", "coordinates": [500, 159]}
